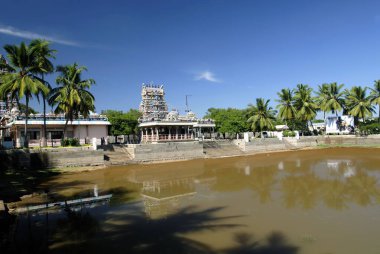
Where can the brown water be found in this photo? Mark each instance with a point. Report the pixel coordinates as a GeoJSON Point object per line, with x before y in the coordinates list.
{"type": "Point", "coordinates": [317, 201]}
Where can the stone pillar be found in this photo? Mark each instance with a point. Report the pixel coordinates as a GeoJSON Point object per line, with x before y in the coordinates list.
{"type": "Point", "coordinates": [170, 135]}
{"type": "Point", "coordinates": [151, 134]}
{"type": "Point", "coordinates": [176, 132]}
{"type": "Point", "coordinates": [157, 136]}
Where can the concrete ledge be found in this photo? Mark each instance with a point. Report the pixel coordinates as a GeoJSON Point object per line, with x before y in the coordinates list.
{"type": "Point", "coordinates": [166, 151]}
{"type": "Point", "coordinates": [49, 158]}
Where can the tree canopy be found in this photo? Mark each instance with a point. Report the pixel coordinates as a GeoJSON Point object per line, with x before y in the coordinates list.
{"type": "Point", "coordinates": [230, 120]}
{"type": "Point", "coordinates": [123, 123]}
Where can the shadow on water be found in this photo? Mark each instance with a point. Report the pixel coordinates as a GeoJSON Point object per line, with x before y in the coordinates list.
{"type": "Point", "coordinates": [130, 233]}
{"type": "Point", "coordinates": [274, 243]}
{"type": "Point", "coordinates": [85, 231]}
{"type": "Point", "coordinates": [16, 183]}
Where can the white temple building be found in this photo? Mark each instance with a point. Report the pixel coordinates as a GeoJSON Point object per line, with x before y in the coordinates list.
{"type": "Point", "coordinates": [12, 124]}
{"type": "Point", "coordinates": [159, 125]}
{"type": "Point", "coordinates": [339, 124]}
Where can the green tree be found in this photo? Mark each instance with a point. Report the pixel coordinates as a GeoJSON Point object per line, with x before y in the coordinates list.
{"type": "Point", "coordinates": [375, 96]}
{"type": "Point", "coordinates": [44, 54]}
{"type": "Point", "coordinates": [22, 82]}
{"type": "Point", "coordinates": [358, 103]}
{"type": "Point", "coordinates": [335, 100]}
{"type": "Point", "coordinates": [228, 120]}
{"type": "Point", "coordinates": [262, 115]}
{"type": "Point", "coordinates": [323, 98]}
{"type": "Point", "coordinates": [123, 123]}
{"type": "Point", "coordinates": [287, 111]}
{"type": "Point", "coordinates": [72, 97]}
{"type": "Point", "coordinates": [304, 104]}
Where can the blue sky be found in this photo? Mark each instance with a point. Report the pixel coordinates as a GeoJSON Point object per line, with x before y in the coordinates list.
{"type": "Point", "coordinates": [222, 53]}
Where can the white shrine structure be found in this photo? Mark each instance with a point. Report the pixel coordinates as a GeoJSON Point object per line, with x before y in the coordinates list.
{"type": "Point", "coordinates": [159, 125]}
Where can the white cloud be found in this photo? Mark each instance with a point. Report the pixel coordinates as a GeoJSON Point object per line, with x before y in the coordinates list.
{"type": "Point", "coordinates": [31, 35]}
{"type": "Point", "coordinates": [208, 76]}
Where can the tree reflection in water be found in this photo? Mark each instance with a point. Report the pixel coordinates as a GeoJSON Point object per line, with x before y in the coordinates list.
{"type": "Point", "coordinates": [301, 190]}
{"type": "Point", "coordinates": [262, 181]}
{"type": "Point", "coordinates": [362, 188]}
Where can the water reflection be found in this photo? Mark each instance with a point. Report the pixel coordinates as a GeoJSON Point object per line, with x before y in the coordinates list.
{"type": "Point", "coordinates": [202, 206]}
{"type": "Point", "coordinates": [296, 182]}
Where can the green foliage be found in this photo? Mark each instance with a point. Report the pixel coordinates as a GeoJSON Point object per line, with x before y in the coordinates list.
{"type": "Point", "coordinates": [371, 128]}
{"type": "Point", "coordinates": [123, 123]}
{"type": "Point", "coordinates": [70, 142]}
{"type": "Point", "coordinates": [72, 96]}
{"type": "Point", "coordinates": [228, 120]}
{"type": "Point", "coordinates": [375, 96]}
{"type": "Point", "coordinates": [288, 133]}
{"type": "Point", "coordinates": [22, 81]}
{"type": "Point", "coordinates": [262, 116]}
{"type": "Point", "coordinates": [358, 103]}
{"type": "Point", "coordinates": [287, 111]}
{"type": "Point", "coordinates": [305, 103]}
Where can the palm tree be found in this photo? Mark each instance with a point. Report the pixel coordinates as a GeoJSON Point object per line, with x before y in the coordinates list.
{"type": "Point", "coordinates": [358, 103]}
{"type": "Point", "coordinates": [286, 108]}
{"type": "Point", "coordinates": [375, 96]}
{"type": "Point", "coordinates": [335, 100]}
{"type": "Point", "coordinates": [262, 115]}
{"type": "Point", "coordinates": [304, 104]}
{"type": "Point", "coordinates": [72, 97]}
{"type": "Point", "coordinates": [23, 81]}
{"type": "Point", "coordinates": [6, 68]}
{"type": "Point", "coordinates": [44, 53]}
{"type": "Point", "coordinates": [322, 98]}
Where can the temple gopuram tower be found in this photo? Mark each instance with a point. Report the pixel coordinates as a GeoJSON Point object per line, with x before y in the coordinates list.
{"type": "Point", "coordinates": [159, 125]}
{"type": "Point", "coordinates": [153, 105]}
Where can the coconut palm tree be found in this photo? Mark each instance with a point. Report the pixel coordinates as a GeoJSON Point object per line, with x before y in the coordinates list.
{"type": "Point", "coordinates": [335, 100]}
{"type": "Point", "coordinates": [304, 104]}
{"type": "Point", "coordinates": [72, 97]}
{"type": "Point", "coordinates": [262, 115]}
{"type": "Point", "coordinates": [286, 108]}
{"type": "Point", "coordinates": [23, 81]}
{"type": "Point", "coordinates": [44, 54]}
{"type": "Point", "coordinates": [375, 96]}
{"type": "Point", "coordinates": [322, 98]}
{"type": "Point", "coordinates": [358, 103]}
{"type": "Point", "coordinates": [6, 68]}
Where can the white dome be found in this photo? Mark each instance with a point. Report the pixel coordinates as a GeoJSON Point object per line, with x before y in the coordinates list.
{"type": "Point", "coordinates": [191, 115]}
{"type": "Point", "coordinates": [172, 115]}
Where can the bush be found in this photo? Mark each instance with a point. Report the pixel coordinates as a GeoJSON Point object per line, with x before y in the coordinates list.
{"type": "Point", "coordinates": [70, 142]}
{"type": "Point", "coordinates": [288, 134]}
{"type": "Point", "coordinates": [372, 128]}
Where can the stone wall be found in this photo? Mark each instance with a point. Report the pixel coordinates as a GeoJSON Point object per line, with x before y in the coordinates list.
{"type": "Point", "coordinates": [274, 144]}
{"type": "Point", "coordinates": [49, 158]}
{"type": "Point", "coordinates": [166, 151]}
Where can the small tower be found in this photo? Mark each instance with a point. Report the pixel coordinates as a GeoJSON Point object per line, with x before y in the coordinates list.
{"type": "Point", "coordinates": [153, 105]}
